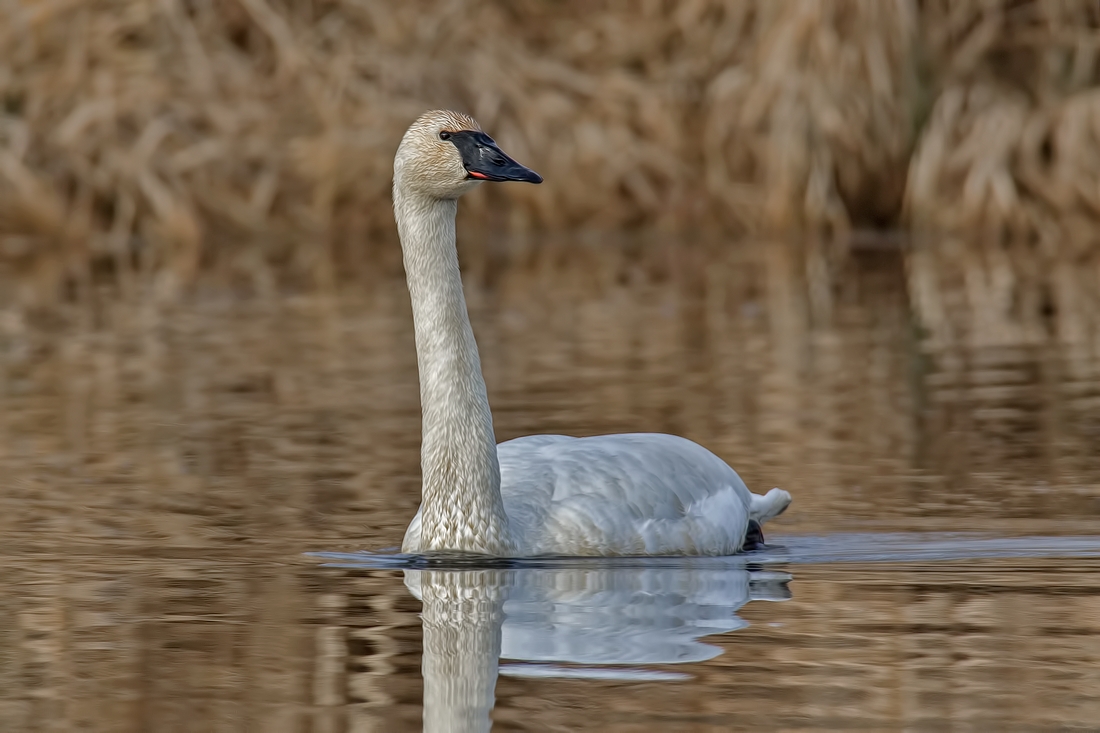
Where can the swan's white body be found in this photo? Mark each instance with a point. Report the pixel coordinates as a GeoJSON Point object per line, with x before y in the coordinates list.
{"type": "Point", "coordinates": [635, 494]}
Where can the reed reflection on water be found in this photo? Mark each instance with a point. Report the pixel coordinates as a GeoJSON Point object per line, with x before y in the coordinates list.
{"type": "Point", "coordinates": [164, 467]}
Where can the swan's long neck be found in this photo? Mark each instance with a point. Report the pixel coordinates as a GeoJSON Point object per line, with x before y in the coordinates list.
{"type": "Point", "coordinates": [461, 508]}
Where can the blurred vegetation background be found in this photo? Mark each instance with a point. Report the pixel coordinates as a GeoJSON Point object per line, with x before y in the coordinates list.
{"type": "Point", "coordinates": [148, 140]}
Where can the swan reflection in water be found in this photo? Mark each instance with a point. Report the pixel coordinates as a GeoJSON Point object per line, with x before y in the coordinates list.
{"type": "Point", "coordinates": [538, 619]}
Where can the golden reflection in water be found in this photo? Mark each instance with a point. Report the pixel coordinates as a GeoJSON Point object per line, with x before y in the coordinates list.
{"type": "Point", "coordinates": [132, 645]}
{"type": "Point", "coordinates": [162, 468]}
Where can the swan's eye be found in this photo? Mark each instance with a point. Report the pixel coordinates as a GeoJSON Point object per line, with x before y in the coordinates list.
{"type": "Point", "coordinates": [444, 135]}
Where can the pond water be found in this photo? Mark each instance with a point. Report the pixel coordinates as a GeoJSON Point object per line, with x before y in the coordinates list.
{"type": "Point", "coordinates": [197, 499]}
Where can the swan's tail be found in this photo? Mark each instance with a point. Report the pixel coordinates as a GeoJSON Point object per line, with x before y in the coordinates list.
{"type": "Point", "coordinates": [769, 506]}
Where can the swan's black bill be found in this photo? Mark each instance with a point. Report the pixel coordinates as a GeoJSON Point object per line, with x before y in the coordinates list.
{"type": "Point", "coordinates": [484, 161]}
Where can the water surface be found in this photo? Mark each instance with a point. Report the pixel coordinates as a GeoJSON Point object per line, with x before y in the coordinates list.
{"type": "Point", "coordinates": [935, 411]}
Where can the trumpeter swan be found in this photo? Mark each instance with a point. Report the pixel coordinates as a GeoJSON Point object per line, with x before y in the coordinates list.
{"type": "Point", "coordinates": [633, 494]}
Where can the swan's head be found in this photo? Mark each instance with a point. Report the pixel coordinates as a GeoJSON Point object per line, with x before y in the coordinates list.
{"type": "Point", "coordinates": [445, 154]}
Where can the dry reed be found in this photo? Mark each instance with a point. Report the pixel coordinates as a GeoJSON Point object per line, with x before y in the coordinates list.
{"type": "Point", "coordinates": [152, 138]}
{"type": "Point", "coordinates": [1012, 146]}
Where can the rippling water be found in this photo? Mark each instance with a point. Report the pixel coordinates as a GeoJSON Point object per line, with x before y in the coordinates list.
{"type": "Point", "coordinates": [196, 500]}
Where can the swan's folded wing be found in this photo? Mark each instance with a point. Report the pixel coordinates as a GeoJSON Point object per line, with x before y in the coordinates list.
{"type": "Point", "coordinates": [623, 494]}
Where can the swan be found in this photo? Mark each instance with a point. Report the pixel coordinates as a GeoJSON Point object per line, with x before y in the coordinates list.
{"type": "Point", "coordinates": [607, 495]}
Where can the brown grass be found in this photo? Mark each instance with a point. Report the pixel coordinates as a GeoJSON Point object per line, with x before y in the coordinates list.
{"type": "Point", "coordinates": [1013, 142]}
{"type": "Point", "coordinates": [151, 138]}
